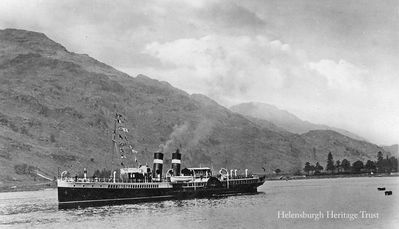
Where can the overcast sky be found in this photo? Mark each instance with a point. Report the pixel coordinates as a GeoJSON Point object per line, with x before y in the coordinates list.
{"type": "Point", "coordinates": [333, 62]}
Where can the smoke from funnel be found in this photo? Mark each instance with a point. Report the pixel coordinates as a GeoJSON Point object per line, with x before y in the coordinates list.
{"type": "Point", "coordinates": [176, 138]}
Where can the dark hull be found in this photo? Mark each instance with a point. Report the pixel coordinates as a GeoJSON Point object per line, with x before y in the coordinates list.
{"type": "Point", "coordinates": [83, 197]}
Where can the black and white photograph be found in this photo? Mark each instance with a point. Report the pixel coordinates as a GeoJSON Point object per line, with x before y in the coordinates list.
{"type": "Point", "coordinates": [200, 114]}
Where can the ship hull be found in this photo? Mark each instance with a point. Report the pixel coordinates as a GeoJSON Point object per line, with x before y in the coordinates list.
{"type": "Point", "coordinates": [83, 197]}
{"type": "Point", "coordinates": [73, 197]}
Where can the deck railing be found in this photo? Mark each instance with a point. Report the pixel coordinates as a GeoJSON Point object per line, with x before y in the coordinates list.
{"type": "Point", "coordinates": [118, 180]}
{"type": "Point", "coordinates": [99, 180]}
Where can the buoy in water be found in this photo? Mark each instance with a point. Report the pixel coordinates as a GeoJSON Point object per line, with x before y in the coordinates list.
{"type": "Point", "coordinates": [388, 193]}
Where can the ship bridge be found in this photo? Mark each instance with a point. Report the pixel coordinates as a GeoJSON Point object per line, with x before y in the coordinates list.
{"type": "Point", "coordinates": [203, 172]}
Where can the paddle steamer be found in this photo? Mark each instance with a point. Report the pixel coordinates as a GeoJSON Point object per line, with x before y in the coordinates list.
{"type": "Point", "coordinates": [143, 184]}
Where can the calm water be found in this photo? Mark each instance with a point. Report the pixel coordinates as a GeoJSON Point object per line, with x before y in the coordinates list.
{"type": "Point", "coordinates": [343, 196]}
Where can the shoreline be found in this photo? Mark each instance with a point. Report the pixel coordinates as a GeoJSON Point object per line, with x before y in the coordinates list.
{"type": "Point", "coordinates": [29, 187]}
{"type": "Point", "coordinates": [49, 185]}
{"type": "Point", "coordinates": [327, 176]}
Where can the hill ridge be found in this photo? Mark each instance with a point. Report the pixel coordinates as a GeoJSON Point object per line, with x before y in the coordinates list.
{"type": "Point", "coordinates": [284, 119]}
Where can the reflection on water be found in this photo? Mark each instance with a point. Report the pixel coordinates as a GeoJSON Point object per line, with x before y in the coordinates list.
{"type": "Point", "coordinates": [344, 195]}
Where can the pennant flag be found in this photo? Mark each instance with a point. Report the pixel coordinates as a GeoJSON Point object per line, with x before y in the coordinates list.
{"type": "Point", "coordinates": [124, 129]}
{"type": "Point", "coordinates": [119, 118]}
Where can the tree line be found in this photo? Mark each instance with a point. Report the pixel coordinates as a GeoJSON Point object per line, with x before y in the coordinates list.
{"type": "Point", "coordinates": [381, 165]}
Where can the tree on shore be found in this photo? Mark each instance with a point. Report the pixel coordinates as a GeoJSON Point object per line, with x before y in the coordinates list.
{"type": "Point", "coordinates": [312, 169]}
{"type": "Point", "coordinates": [387, 164]}
{"type": "Point", "coordinates": [370, 166]}
{"type": "Point", "coordinates": [394, 163]}
{"type": "Point", "coordinates": [382, 165]}
{"type": "Point", "coordinates": [307, 168]}
{"type": "Point", "coordinates": [380, 161]}
{"type": "Point", "coordinates": [380, 156]}
{"type": "Point", "coordinates": [357, 166]}
{"type": "Point", "coordinates": [318, 168]}
{"type": "Point", "coordinates": [330, 163]}
{"type": "Point", "coordinates": [346, 165]}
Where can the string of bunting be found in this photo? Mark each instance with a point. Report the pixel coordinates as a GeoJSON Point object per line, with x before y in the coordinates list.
{"type": "Point", "coordinates": [122, 136]}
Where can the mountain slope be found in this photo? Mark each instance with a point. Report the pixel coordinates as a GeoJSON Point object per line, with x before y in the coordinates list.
{"type": "Point", "coordinates": [341, 146]}
{"type": "Point", "coordinates": [284, 119]}
{"type": "Point", "coordinates": [393, 149]}
{"type": "Point", "coordinates": [57, 109]}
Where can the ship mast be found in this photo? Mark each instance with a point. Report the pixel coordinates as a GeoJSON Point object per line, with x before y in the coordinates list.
{"type": "Point", "coordinates": [114, 146]}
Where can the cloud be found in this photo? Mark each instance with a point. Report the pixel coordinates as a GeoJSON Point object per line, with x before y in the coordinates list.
{"type": "Point", "coordinates": [340, 75]}
{"type": "Point", "coordinates": [226, 65]}
{"type": "Point", "coordinates": [233, 69]}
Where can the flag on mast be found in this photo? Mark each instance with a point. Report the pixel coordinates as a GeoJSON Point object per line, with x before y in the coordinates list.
{"type": "Point", "coordinates": [124, 129]}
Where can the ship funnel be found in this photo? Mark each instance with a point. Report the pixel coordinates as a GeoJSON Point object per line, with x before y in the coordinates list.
{"type": "Point", "coordinates": [176, 162]}
{"type": "Point", "coordinates": [158, 162]}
